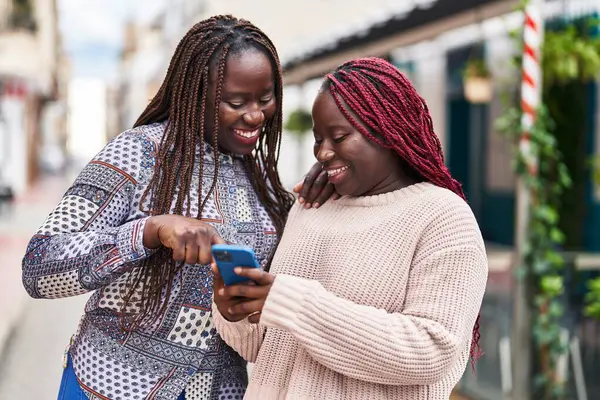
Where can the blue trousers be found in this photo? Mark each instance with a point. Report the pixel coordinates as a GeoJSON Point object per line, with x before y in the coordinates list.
{"type": "Point", "coordinates": [70, 389]}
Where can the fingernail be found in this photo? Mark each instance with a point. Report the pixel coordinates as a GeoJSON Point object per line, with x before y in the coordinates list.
{"type": "Point", "coordinates": [301, 200]}
{"type": "Point", "coordinates": [307, 206]}
{"type": "Point", "coordinates": [230, 310]}
{"type": "Point", "coordinates": [221, 292]}
{"type": "Point", "coordinates": [237, 270]}
{"type": "Point", "coordinates": [316, 205]}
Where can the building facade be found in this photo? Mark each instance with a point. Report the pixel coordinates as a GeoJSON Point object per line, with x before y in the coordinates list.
{"type": "Point", "coordinates": [32, 92]}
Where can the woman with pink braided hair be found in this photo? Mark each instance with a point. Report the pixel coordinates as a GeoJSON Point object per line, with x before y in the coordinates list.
{"type": "Point", "coordinates": [375, 295]}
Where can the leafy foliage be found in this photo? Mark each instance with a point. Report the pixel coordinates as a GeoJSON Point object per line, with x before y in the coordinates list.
{"type": "Point", "coordinates": [542, 261]}
{"type": "Point", "coordinates": [572, 53]}
{"type": "Point", "coordinates": [476, 68]}
{"type": "Point", "coordinates": [569, 55]}
{"type": "Point", "coordinates": [299, 122]}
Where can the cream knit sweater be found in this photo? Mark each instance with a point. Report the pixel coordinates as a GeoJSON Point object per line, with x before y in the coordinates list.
{"type": "Point", "coordinates": [375, 298]}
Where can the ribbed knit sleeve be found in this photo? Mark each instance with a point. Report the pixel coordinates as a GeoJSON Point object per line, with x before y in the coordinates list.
{"type": "Point", "coordinates": [242, 336]}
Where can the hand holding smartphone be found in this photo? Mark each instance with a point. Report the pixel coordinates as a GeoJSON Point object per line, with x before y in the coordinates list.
{"type": "Point", "coordinates": [228, 256]}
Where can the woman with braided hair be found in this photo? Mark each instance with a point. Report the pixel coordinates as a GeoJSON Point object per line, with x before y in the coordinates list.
{"type": "Point", "coordinates": [198, 168]}
{"type": "Point", "coordinates": [375, 295]}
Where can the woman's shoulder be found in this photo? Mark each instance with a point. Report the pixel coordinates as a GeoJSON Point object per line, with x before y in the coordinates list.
{"type": "Point", "coordinates": [449, 217]}
{"type": "Point", "coordinates": [441, 201]}
{"type": "Point", "coordinates": [130, 152]}
{"type": "Point", "coordinates": [144, 133]}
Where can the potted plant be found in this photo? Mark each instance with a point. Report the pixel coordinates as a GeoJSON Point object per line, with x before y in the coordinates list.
{"type": "Point", "coordinates": [477, 81]}
{"type": "Point", "coordinates": [299, 123]}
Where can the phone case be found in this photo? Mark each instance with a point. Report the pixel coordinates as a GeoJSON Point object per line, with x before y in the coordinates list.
{"type": "Point", "coordinates": [228, 257]}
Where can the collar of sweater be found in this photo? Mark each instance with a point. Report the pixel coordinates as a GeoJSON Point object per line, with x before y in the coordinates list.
{"type": "Point", "coordinates": [386, 198]}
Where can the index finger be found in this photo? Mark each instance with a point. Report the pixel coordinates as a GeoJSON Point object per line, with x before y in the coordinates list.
{"type": "Point", "coordinates": [205, 242]}
{"type": "Point", "coordinates": [216, 238]}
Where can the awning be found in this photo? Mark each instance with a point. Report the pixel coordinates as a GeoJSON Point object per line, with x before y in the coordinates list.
{"type": "Point", "coordinates": [425, 20]}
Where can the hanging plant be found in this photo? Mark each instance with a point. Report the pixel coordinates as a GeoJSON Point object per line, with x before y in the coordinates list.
{"type": "Point", "coordinates": [477, 81]}
{"type": "Point", "coordinates": [476, 67]}
{"type": "Point", "coordinates": [299, 122]}
{"type": "Point", "coordinates": [572, 53]}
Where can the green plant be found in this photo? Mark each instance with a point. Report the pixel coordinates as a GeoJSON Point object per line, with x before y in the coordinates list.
{"type": "Point", "coordinates": [542, 262]}
{"type": "Point", "coordinates": [595, 165]}
{"type": "Point", "coordinates": [299, 122]}
{"type": "Point", "coordinates": [592, 308]}
{"type": "Point", "coordinates": [572, 53]}
{"type": "Point", "coordinates": [476, 68]}
{"type": "Point", "coordinates": [570, 58]}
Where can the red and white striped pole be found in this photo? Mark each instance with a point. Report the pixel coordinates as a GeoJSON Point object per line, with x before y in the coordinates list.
{"type": "Point", "coordinates": [531, 91]}
{"type": "Point", "coordinates": [531, 85]}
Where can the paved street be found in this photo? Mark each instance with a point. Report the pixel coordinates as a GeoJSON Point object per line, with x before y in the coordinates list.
{"type": "Point", "coordinates": [32, 362]}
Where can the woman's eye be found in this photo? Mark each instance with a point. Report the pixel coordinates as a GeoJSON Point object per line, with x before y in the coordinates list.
{"type": "Point", "coordinates": [235, 105]}
{"type": "Point", "coordinates": [340, 139]}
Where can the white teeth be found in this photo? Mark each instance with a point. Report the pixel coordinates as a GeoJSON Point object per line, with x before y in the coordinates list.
{"type": "Point", "coordinates": [247, 134]}
{"type": "Point", "coordinates": [336, 171]}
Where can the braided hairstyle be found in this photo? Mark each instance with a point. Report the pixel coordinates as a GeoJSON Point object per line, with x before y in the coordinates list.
{"type": "Point", "coordinates": [182, 101]}
{"type": "Point", "coordinates": [393, 115]}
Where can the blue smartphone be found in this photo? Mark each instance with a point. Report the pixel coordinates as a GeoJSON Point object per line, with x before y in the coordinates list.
{"type": "Point", "coordinates": [228, 256]}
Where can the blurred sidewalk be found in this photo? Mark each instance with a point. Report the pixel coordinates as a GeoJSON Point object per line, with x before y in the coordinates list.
{"type": "Point", "coordinates": [456, 396]}
{"type": "Point", "coordinates": [18, 222]}
{"type": "Point", "coordinates": [33, 333]}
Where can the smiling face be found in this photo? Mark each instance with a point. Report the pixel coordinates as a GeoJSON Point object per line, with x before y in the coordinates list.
{"type": "Point", "coordinates": [355, 165]}
{"type": "Point", "coordinates": [248, 101]}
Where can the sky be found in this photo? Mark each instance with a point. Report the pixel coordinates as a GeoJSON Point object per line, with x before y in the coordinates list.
{"type": "Point", "coordinates": [93, 32]}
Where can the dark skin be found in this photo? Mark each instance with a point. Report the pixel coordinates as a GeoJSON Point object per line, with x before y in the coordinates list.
{"type": "Point", "coordinates": [247, 101]}
{"type": "Point", "coordinates": [368, 170]}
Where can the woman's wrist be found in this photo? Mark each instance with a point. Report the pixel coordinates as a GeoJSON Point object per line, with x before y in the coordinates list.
{"type": "Point", "coordinates": [151, 239]}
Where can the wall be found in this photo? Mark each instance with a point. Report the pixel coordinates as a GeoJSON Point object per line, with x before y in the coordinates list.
{"type": "Point", "coordinates": [87, 128]}
{"type": "Point", "coordinates": [430, 81]}
{"type": "Point", "coordinates": [13, 164]}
